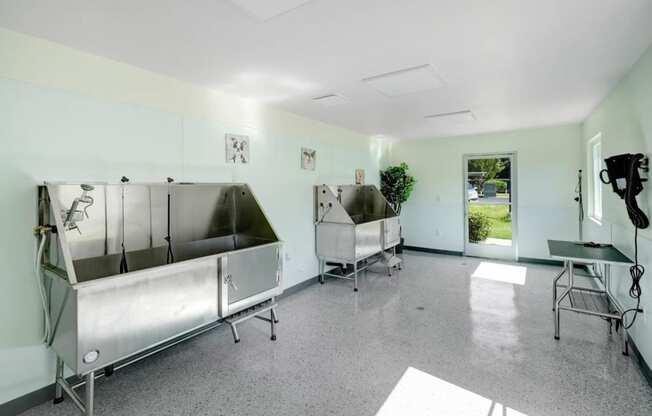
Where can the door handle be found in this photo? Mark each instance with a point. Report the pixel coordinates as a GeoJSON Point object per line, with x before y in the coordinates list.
{"type": "Point", "coordinates": [229, 281]}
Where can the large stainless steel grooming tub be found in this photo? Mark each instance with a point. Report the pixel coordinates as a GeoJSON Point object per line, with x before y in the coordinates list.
{"type": "Point", "coordinates": [353, 223]}
{"type": "Point", "coordinates": [195, 253]}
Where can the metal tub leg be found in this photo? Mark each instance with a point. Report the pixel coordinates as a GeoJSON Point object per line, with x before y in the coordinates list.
{"type": "Point", "coordinates": [355, 276]}
{"type": "Point", "coordinates": [322, 266]}
{"type": "Point", "coordinates": [89, 393]}
{"type": "Point", "coordinates": [399, 265]}
{"type": "Point", "coordinates": [58, 391]}
{"type": "Point", "coordinates": [234, 330]}
{"type": "Point", "coordinates": [272, 323]}
{"type": "Point", "coordinates": [257, 312]}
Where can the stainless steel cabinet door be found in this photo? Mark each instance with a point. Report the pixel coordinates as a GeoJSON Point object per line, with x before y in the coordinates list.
{"type": "Point", "coordinates": [252, 274]}
{"type": "Point", "coordinates": [368, 239]}
{"type": "Point", "coordinates": [392, 233]}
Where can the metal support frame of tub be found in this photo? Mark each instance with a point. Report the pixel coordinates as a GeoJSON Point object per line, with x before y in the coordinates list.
{"type": "Point", "coordinates": [62, 385]}
{"type": "Point", "coordinates": [352, 224]}
{"type": "Point", "coordinates": [255, 312]}
{"type": "Point", "coordinates": [227, 260]}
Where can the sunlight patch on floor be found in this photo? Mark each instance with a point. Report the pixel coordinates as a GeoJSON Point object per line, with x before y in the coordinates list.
{"type": "Point", "coordinates": [421, 394]}
{"type": "Point", "coordinates": [497, 242]}
{"type": "Point", "coordinates": [501, 272]}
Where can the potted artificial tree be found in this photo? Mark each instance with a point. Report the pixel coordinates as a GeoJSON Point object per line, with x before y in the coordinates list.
{"type": "Point", "coordinates": [396, 184]}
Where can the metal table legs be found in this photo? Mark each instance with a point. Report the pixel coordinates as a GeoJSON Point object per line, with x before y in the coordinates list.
{"type": "Point", "coordinates": [554, 285]}
{"type": "Point", "coordinates": [614, 313]}
{"type": "Point", "coordinates": [618, 308]}
{"type": "Point", "coordinates": [571, 275]}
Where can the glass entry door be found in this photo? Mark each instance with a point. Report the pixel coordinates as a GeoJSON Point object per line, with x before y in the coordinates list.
{"type": "Point", "coordinates": [489, 208]}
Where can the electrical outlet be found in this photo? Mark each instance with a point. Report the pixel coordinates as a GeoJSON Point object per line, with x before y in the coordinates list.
{"type": "Point", "coordinates": [287, 256]}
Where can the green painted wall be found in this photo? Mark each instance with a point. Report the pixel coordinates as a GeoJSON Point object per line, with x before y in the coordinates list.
{"type": "Point", "coordinates": [67, 115]}
{"type": "Point", "coordinates": [625, 120]}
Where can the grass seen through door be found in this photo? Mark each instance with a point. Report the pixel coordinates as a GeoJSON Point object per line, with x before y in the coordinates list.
{"type": "Point", "coordinates": [499, 218]}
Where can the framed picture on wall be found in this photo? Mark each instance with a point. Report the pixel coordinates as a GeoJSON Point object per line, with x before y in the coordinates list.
{"type": "Point", "coordinates": [359, 176]}
{"type": "Point", "coordinates": [237, 148]}
{"type": "Point", "coordinates": [308, 158]}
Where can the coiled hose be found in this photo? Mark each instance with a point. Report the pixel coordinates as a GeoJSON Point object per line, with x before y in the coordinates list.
{"type": "Point", "coordinates": [640, 220]}
{"type": "Point", "coordinates": [47, 330]}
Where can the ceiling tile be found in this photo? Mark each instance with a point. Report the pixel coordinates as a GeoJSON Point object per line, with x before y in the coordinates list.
{"type": "Point", "coordinates": [266, 9]}
{"type": "Point", "coordinates": [406, 81]}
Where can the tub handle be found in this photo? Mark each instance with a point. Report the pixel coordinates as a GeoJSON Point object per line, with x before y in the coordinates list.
{"type": "Point", "coordinates": [229, 281]}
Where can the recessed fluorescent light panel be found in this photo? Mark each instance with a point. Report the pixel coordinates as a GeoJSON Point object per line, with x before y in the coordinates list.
{"type": "Point", "coordinates": [266, 9]}
{"type": "Point", "coordinates": [453, 117]}
{"type": "Point", "coordinates": [329, 100]}
{"type": "Point", "coordinates": [406, 81]}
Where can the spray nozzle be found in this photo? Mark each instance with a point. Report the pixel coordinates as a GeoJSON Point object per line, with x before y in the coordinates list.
{"type": "Point", "coordinates": [74, 215]}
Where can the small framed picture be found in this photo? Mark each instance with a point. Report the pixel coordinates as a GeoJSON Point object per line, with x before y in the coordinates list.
{"type": "Point", "coordinates": [237, 148]}
{"type": "Point", "coordinates": [359, 176]}
{"type": "Point", "coordinates": [308, 158]}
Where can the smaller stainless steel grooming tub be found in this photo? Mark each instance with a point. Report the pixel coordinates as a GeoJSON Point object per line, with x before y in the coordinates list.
{"type": "Point", "coordinates": [132, 267]}
{"type": "Point", "coordinates": [352, 224]}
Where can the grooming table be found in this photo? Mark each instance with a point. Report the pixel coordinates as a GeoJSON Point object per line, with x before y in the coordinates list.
{"type": "Point", "coordinates": [594, 301]}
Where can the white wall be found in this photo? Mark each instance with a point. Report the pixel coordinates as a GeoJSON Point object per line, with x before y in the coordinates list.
{"type": "Point", "coordinates": [625, 120]}
{"type": "Point", "coordinates": [547, 163]}
{"type": "Point", "coordinates": [67, 115]}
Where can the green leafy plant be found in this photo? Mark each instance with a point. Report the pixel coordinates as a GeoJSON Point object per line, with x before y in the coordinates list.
{"type": "Point", "coordinates": [396, 184]}
{"type": "Point", "coordinates": [479, 226]}
{"type": "Point", "coordinates": [490, 168]}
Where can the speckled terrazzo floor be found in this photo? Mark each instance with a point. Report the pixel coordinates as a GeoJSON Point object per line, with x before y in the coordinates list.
{"type": "Point", "coordinates": [341, 353]}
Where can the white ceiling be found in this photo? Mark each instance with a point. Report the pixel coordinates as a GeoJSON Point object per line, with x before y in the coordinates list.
{"type": "Point", "coordinates": [513, 63]}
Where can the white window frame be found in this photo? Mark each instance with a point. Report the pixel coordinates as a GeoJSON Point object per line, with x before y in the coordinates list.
{"type": "Point", "coordinates": [595, 163]}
